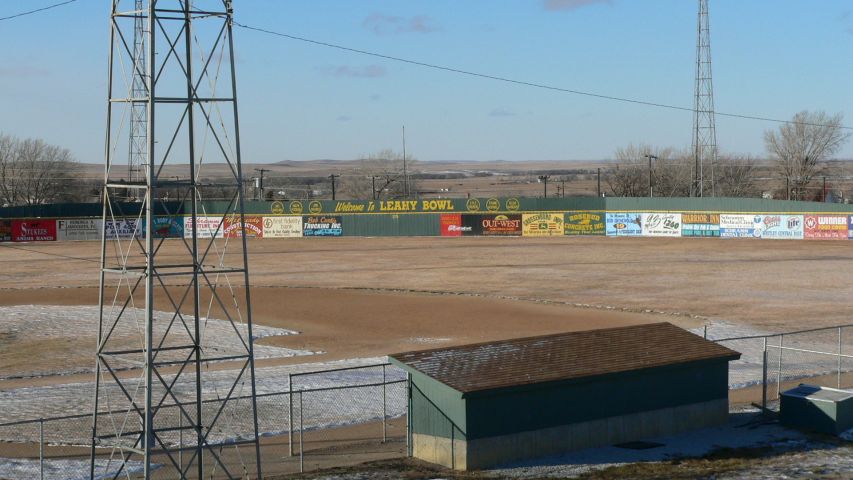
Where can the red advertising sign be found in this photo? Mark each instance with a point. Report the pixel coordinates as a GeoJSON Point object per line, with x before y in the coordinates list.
{"type": "Point", "coordinates": [451, 225]}
{"type": "Point", "coordinates": [254, 226]}
{"type": "Point", "coordinates": [827, 227]}
{"type": "Point", "coordinates": [36, 230]}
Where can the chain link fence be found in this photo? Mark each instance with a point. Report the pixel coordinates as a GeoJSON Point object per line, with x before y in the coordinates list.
{"type": "Point", "coordinates": [325, 418]}
{"type": "Point", "coordinates": [771, 364]}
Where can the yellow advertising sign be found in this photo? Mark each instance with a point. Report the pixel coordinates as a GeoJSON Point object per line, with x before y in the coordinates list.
{"type": "Point", "coordinates": [542, 224]}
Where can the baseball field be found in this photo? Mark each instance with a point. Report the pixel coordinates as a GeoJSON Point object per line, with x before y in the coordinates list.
{"type": "Point", "coordinates": [358, 297]}
{"type": "Point", "coordinates": [352, 299]}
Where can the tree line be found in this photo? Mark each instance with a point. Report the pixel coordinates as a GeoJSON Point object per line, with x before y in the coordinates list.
{"type": "Point", "coordinates": [798, 150]}
{"type": "Point", "coordinates": [34, 172]}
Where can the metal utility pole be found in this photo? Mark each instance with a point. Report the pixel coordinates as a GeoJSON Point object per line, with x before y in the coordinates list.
{"type": "Point", "coordinates": [544, 179]}
{"type": "Point", "coordinates": [651, 176]}
{"type": "Point", "coordinates": [598, 188]}
{"type": "Point", "coordinates": [138, 112]}
{"type": "Point", "coordinates": [261, 171]}
{"type": "Point", "coordinates": [704, 123]}
{"type": "Point", "coordinates": [405, 168]}
{"type": "Point", "coordinates": [333, 177]}
{"type": "Point", "coordinates": [164, 318]}
{"type": "Point", "coordinates": [373, 180]}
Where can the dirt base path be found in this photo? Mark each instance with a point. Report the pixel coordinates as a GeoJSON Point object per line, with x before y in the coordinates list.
{"type": "Point", "coordinates": [341, 323]}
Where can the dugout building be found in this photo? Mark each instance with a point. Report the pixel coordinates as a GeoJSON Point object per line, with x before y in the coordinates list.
{"type": "Point", "coordinates": [481, 405]}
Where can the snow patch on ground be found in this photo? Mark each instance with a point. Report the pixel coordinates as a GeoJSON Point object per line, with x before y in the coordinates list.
{"type": "Point", "coordinates": [794, 364]}
{"type": "Point", "coordinates": [29, 469]}
{"type": "Point", "coordinates": [746, 429]}
{"type": "Point", "coordinates": [54, 322]}
{"type": "Point", "coordinates": [331, 406]}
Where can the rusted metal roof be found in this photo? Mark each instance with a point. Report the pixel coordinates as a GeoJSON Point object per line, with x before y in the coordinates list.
{"type": "Point", "coordinates": [563, 356]}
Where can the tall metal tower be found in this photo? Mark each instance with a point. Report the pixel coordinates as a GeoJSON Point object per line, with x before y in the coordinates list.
{"type": "Point", "coordinates": [138, 111]}
{"type": "Point", "coordinates": [704, 127]}
{"type": "Point", "coordinates": [175, 389]}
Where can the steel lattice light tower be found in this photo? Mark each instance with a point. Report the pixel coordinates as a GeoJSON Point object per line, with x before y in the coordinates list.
{"type": "Point", "coordinates": [138, 111]}
{"type": "Point", "coordinates": [704, 127]}
{"type": "Point", "coordinates": [174, 294]}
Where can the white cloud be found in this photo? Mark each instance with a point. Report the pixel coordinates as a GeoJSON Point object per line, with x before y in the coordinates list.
{"type": "Point", "coordinates": [556, 5]}
{"type": "Point", "coordinates": [384, 24]}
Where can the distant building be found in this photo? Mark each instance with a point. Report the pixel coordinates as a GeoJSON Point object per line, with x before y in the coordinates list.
{"type": "Point", "coordinates": [477, 406]}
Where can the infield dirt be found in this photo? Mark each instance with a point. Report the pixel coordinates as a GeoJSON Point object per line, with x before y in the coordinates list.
{"type": "Point", "coordinates": [353, 297]}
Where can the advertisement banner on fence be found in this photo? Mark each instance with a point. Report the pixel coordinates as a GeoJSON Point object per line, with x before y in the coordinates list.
{"type": "Point", "coordinates": [208, 227]}
{"type": "Point", "coordinates": [778, 226]}
{"type": "Point", "coordinates": [5, 230]}
{"type": "Point", "coordinates": [491, 225]}
{"type": "Point", "coordinates": [34, 230]}
{"type": "Point", "coordinates": [79, 229]}
{"type": "Point", "coordinates": [254, 226]}
{"type": "Point", "coordinates": [451, 225]}
{"type": "Point", "coordinates": [700, 225]}
{"type": "Point", "coordinates": [322, 226]}
{"type": "Point", "coordinates": [623, 224]}
{"type": "Point", "coordinates": [584, 223]}
{"type": "Point", "coordinates": [826, 227]}
{"type": "Point", "coordinates": [850, 227]}
{"type": "Point", "coordinates": [542, 224]}
{"type": "Point", "coordinates": [122, 228]}
{"type": "Point", "coordinates": [282, 227]}
{"type": "Point", "coordinates": [166, 227]}
{"type": "Point", "coordinates": [661, 224]}
{"type": "Point", "coordinates": [736, 225]}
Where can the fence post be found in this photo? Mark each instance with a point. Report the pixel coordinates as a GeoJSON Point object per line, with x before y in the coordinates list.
{"type": "Point", "coordinates": [180, 438]}
{"type": "Point", "coordinates": [839, 357]}
{"type": "Point", "coordinates": [290, 415]}
{"type": "Point", "coordinates": [301, 438]}
{"type": "Point", "coordinates": [705, 331]}
{"type": "Point", "coordinates": [452, 446]}
{"type": "Point", "coordinates": [41, 448]}
{"type": "Point", "coordinates": [384, 415]}
{"type": "Point", "coordinates": [764, 378]}
{"type": "Point", "coordinates": [408, 414]}
{"type": "Point", "coordinates": [779, 377]}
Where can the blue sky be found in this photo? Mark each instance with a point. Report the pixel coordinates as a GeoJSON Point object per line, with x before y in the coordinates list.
{"type": "Point", "coordinates": [300, 101]}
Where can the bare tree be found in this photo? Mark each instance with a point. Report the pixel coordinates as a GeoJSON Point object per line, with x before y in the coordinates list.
{"type": "Point", "coordinates": [33, 172]}
{"type": "Point", "coordinates": [801, 147]}
{"type": "Point", "coordinates": [380, 176]}
{"type": "Point", "coordinates": [735, 176]}
{"type": "Point", "coordinates": [670, 172]}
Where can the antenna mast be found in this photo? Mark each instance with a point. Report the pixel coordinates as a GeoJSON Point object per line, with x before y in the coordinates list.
{"type": "Point", "coordinates": [704, 127]}
{"type": "Point", "coordinates": [138, 110]}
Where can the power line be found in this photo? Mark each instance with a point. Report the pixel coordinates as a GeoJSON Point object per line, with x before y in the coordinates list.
{"type": "Point", "coordinates": [22, 14]}
{"type": "Point", "coordinates": [522, 82]}
{"type": "Point", "coordinates": [483, 75]}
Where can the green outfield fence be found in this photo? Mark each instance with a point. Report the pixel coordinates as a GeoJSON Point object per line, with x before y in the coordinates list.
{"type": "Point", "coordinates": [505, 216]}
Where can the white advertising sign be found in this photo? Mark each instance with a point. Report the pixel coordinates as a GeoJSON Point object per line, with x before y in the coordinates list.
{"type": "Point", "coordinates": [282, 227]}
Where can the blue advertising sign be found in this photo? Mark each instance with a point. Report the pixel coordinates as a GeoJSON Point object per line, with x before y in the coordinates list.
{"type": "Point", "coordinates": [623, 224]}
{"type": "Point", "coordinates": [166, 227]}
{"type": "Point", "coordinates": [850, 227]}
{"type": "Point", "coordinates": [322, 226]}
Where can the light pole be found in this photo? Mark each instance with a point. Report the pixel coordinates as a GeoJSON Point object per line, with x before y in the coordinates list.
{"type": "Point", "coordinates": [333, 177]}
{"type": "Point", "coordinates": [544, 180]}
{"type": "Point", "coordinates": [650, 157]}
